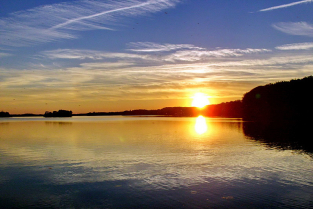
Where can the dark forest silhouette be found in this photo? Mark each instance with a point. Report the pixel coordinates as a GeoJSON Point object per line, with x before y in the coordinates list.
{"type": "Point", "coordinates": [228, 109]}
{"type": "Point", "coordinates": [286, 100]}
{"type": "Point", "coordinates": [231, 109]}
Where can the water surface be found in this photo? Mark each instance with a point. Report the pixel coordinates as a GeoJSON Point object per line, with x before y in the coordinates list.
{"type": "Point", "coordinates": [146, 162]}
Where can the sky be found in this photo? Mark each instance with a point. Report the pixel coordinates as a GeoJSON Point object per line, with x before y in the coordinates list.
{"type": "Point", "coordinates": [101, 55]}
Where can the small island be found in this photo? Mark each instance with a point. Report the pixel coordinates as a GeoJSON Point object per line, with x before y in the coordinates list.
{"type": "Point", "coordinates": [4, 114]}
{"type": "Point", "coordinates": [60, 113]}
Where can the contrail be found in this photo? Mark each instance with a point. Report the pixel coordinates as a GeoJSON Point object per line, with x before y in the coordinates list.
{"type": "Point", "coordinates": [96, 15]}
{"type": "Point", "coordinates": [285, 5]}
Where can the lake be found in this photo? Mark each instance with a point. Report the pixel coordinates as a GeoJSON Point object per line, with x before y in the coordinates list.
{"type": "Point", "coordinates": [153, 162]}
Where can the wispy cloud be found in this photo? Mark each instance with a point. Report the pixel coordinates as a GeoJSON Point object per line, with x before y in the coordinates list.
{"type": "Point", "coordinates": [285, 62]}
{"type": "Point", "coordinates": [62, 21]}
{"type": "Point", "coordinates": [230, 58]}
{"type": "Point", "coordinates": [193, 54]}
{"type": "Point", "coordinates": [295, 28]}
{"type": "Point", "coordinates": [154, 47]}
{"type": "Point", "coordinates": [90, 54]}
{"type": "Point", "coordinates": [2, 54]}
{"type": "Point", "coordinates": [188, 52]}
{"type": "Point", "coordinates": [296, 46]}
{"type": "Point", "coordinates": [197, 55]}
{"type": "Point", "coordinates": [106, 65]}
{"type": "Point", "coordinates": [285, 5]}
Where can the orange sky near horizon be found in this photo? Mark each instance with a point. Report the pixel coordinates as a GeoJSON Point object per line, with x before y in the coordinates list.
{"type": "Point", "coordinates": [84, 106]}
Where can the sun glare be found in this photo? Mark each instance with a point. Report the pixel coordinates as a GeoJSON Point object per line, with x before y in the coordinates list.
{"type": "Point", "coordinates": [200, 100]}
{"type": "Point", "coordinates": [201, 126]}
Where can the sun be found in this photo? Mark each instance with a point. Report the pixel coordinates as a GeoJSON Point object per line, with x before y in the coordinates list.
{"type": "Point", "coordinates": [200, 100]}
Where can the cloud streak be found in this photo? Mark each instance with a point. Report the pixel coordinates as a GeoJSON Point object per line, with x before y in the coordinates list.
{"type": "Point", "coordinates": [202, 59]}
{"type": "Point", "coordinates": [63, 21]}
{"type": "Point", "coordinates": [154, 47]}
{"type": "Point", "coordinates": [296, 46]}
{"type": "Point", "coordinates": [295, 28]}
{"type": "Point", "coordinates": [274, 62]}
{"type": "Point", "coordinates": [2, 54]}
{"type": "Point", "coordinates": [198, 55]}
{"type": "Point", "coordinates": [91, 54]}
{"type": "Point", "coordinates": [167, 53]}
{"type": "Point", "coordinates": [285, 5]}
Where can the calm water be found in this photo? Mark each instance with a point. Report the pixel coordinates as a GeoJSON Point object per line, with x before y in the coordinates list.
{"type": "Point", "coordinates": [152, 162]}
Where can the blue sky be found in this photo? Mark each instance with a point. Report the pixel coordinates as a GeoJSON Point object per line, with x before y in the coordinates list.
{"type": "Point", "coordinates": [116, 55]}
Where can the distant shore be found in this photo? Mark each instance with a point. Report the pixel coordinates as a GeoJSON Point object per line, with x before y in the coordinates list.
{"type": "Point", "coordinates": [286, 100]}
{"type": "Point", "coordinates": [229, 109]}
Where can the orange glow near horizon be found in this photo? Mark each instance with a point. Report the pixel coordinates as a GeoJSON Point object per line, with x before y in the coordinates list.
{"type": "Point", "coordinates": [200, 100]}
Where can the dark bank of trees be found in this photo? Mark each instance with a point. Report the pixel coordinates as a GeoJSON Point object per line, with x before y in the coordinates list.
{"type": "Point", "coordinates": [7, 114]}
{"type": "Point", "coordinates": [231, 109]}
{"type": "Point", "coordinates": [287, 100]}
{"type": "Point", "coordinates": [98, 113]}
{"type": "Point", "coordinates": [60, 113]}
{"type": "Point", "coordinates": [4, 114]}
{"type": "Point", "coordinates": [228, 109]}
{"type": "Point", "coordinates": [166, 111]}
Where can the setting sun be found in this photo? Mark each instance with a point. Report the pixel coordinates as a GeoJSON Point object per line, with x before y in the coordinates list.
{"type": "Point", "coordinates": [200, 100]}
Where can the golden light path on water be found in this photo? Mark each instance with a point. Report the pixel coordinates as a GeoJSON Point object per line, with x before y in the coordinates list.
{"type": "Point", "coordinates": [187, 160]}
{"type": "Point", "coordinates": [200, 125]}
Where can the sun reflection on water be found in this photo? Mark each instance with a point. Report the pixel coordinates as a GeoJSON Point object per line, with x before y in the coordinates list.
{"type": "Point", "coordinates": [201, 126]}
